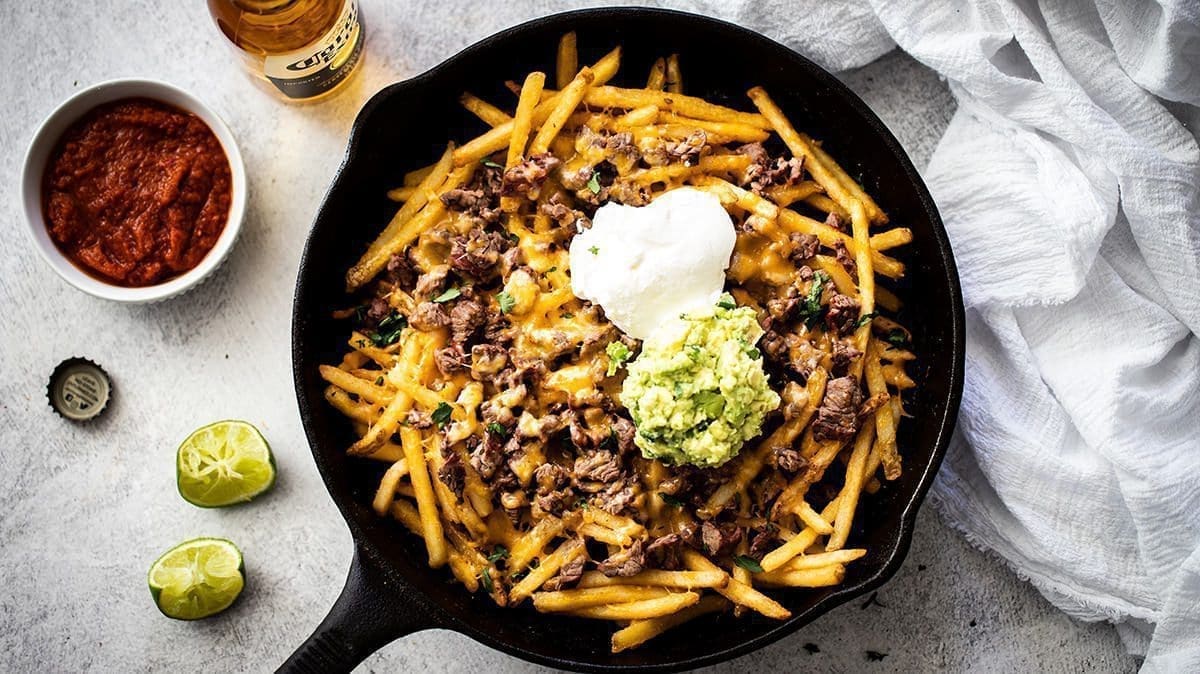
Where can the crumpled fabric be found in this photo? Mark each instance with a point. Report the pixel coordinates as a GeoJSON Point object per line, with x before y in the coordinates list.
{"type": "Point", "coordinates": [1069, 183]}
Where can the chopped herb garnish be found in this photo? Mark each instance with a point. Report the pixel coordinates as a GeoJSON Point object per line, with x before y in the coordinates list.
{"type": "Point", "coordinates": [748, 563]}
{"type": "Point", "coordinates": [594, 250]}
{"type": "Point", "coordinates": [497, 429]}
{"type": "Point", "coordinates": [810, 308]}
{"type": "Point", "coordinates": [711, 403]}
{"type": "Point", "coordinates": [582, 505]}
{"type": "Point", "coordinates": [754, 353]}
{"type": "Point", "coordinates": [864, 319]}
{"type": "Point", "coordinates": [389, 329]}
{"type": "Point", "coordinates": [486, 578]}
{"type": "Point", "coordinates": [566, 314]}
{"type": "Point", "coordinates": [897, 338]}
{"type": "Point", "coordinates": [505, 301]}
{"type": "Point", "coordinates": [441, 415]}
{"type": "Point", "coordinates": [618, 353]}
{"type": "Point", "coordinates": [489, 163]}
{"type": "Point", "coordinates": [670, 500]}
{"type": "Point", "coordinates": [498, 553]}
{"type": "Point", "coordinates": [360, 313]}
{"type": "Point", "coordinates": [593, 183]}
{"type": "Point", "coordinates": [379, 380]}
{"type": "Point", "coordinates": [450, 294]}
{"type": "Point", "coordinates": [693, 352]}
{"type": "Point", "coordinates": [727, 302]}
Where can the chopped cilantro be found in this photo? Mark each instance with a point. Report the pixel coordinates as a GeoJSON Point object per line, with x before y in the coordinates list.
{"type": "Point", "coordinates": [727, 302]}
{"type": "Point", "coordinates": [693, 352]}
{"type": "Point", "coordinates": [897, 338]}
{"type": "Point", "coordinates": [486, 161]}
{"type": "Point", "coordinates": [810, 308]}
{"type": "Point", "coordinates": [618, 353]}
{"type": "Point", "coordinates": [711, 403]}
{"type": "Point", "coordinates": [670, 500]}
{"type": "Point", "coordinates": [450, 294]}
{"type": "Point", "coordinates": [566, 314]}
{"type": "Point", "coordinates": [748, 563]}
{"type": "Point", "coordinates": [594, 250]}
{"type": "Point", "coordinates": [379, 380]}
{"type": "Point", "coordinates": [389, 330]}
{"type": "Point", "coordinates": [505, 301]}
{"type": "Point", "coordinates": [498, 553]}
{"type": "Point", "coordinates": [497, 429]}
{"type": "Point", "coordinates": [360, 313]}
{"type": "Point", "coordinates": [593, 183]}
{"type": "Point", "coordinates": [441, 415]}
{"type": "Point", "coordinates": [488, 585]}
{"type": "Point", "coordinates": [864, 319]}
{"type": "Point", "coordinates": [754, 353]}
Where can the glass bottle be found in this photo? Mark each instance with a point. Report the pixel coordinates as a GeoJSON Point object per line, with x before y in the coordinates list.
{"type": "Point", "coordinates": [304, 49]}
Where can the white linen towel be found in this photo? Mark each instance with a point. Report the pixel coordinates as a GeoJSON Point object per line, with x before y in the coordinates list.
{"type": "Point", "coordinates": [1069, 182]}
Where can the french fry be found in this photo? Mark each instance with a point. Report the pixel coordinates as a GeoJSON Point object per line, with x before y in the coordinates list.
{"type": "Point", "coordinates": [532, 543]}
{"type": "Point", "coordinates": [892, 238]}
{"type": "Point", "coordinates": [359, 411]}
{"type": "Point", "coordinates": [797, 544]}
{"type": "Point", "coordinates": [401, 194]}
{"type": "Point", "coordinates": [689, 106]}
{"type": "Point", "coordinates": [820, 559]}
{"type": "Point", "coordinates": [640, 610]}
{"type": "Point", "coordinates": [387, 486]}
{"type": "Point", "coordinates": [848, 499]}
{"type": "Point", "coordinates": [566, 553]}
{"type": "Point", "coordinates": [571, 600]}
{"type": "Point", "coordinates": [568, 99]}
{"type": "Point", "coordinates": [371, 263]}
{"type": "Point", "coordinates": [876, 215]}
{"type": "Point", "coordinates": [640, 631]}
{"type": "Point", "coordinates": [490, 114]}
{"type": "Point", "coordinates": [819, 577]}
{"type": "Point", "coordinates": [568, 60]}
{"type": "Point", "coordinates": [812, 519]}
{"type": "Point", "coordinates": [738, 592]}
{"type": "Point", "coordinates": [789, 194]}
{"type": "Point", "coordinates": [884, 423]}
{"type": "Point", "coordinates": [887, 266]}
{"type": "Point", "coordinates": [683, 580]}
{"type": "Point", "coordinates": [658, 75]}
{"type": "Point", "coordinates": [365, 390]}
{"type": "Point", "coordinates": [674, 76]}
{"type": "Point", "coordinates": [431, 523]}
{"type": "Point", "coordinates": [407, 514]}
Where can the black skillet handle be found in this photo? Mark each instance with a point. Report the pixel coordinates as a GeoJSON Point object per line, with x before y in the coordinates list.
{"type": "Point", "coordinates": [369, 614]}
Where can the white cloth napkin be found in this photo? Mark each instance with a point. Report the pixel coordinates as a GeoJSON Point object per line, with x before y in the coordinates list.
{"type": "Point", "coordinates": [1069, 182]}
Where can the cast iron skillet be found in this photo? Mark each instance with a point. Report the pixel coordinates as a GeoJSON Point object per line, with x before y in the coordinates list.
{"type": "Point", "coordinates": [390, 591]}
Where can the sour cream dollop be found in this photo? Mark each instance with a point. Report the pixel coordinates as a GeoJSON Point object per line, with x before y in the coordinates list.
{"type": "Point", "coordinates": [646, 265]}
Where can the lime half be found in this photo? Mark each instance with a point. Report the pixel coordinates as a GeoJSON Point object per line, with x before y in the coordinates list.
{"type": "Point", "coordinates": [197, 578]}
{"type": "Point", "coordinates": [224, 463]}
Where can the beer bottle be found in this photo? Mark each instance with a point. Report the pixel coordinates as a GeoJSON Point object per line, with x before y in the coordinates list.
{"type": "Point", "coordinates": [305, 49]}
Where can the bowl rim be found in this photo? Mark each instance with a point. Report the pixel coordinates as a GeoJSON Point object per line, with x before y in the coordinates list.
{"type": "Point", "coordinates": [370, 555]}
{"type": "Point", "coordinates": [46, 137]}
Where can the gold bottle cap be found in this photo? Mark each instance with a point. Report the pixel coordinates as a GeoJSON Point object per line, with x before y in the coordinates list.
{"type": "Point", "coordinates": [79, 389]}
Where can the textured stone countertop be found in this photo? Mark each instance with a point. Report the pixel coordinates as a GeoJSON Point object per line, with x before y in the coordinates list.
{"type": "Point", "coordinates": [86, 509]}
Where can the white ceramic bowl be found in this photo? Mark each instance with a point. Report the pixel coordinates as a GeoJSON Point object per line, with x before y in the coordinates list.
{"type": "Point", "coordinates": [48, 135]}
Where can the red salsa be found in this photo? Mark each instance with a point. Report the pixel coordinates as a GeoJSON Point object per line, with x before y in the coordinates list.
{"type": "Point", "coordinates": [137, 192]}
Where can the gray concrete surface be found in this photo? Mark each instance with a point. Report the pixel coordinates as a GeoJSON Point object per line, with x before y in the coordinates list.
{"type": "Point", "coordinates": [86, 509]}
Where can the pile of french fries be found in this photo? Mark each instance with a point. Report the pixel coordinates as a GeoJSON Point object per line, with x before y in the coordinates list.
{"type": "Point", "coordinates": [377, 386]}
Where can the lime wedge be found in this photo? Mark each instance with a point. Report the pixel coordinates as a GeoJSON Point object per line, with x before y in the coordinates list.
{"type": "Point", "coordinates": [197, 578]}
{"type": "Point", "coordinates": [224, 463]}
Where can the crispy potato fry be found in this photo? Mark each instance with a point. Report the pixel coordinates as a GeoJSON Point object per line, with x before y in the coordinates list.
{"type": "Point", "coordinates": [683, 580]}
{"type": "Point", "coordinates": [431, 522]}
{"type": "Point", "coordinates": [674, 82]}
{"type": "Point", "coordinates": [689, 106]}
{"type": "Point", "coordinates": [640, 610]}
{"type": "Point", "coordinates": [568, 60]}
{"type": "Point", "coordinates": [848, 499]}
{"type": "Point", "coordinates": [571, 600]}
{"type": "Point", "coordinates": [640, 631]}
{"type": "Point", "coordinates": [565, 553]}
{"type": "Point", "coordinates": [568, 99]}
{"type": "Point", "coordinates": [490, 114]}
{"type": "Point", "coordinates": [658, 75]}
{"type": "Point", "coordinates": [819, 577]}
{"type": "Point", "coordinates": [387, 486]}
{"type": "Point", "coordinates": [736, 591]}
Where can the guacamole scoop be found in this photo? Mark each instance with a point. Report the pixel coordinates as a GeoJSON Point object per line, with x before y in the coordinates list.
{"type": "Point", "coordinates": [697, 391]}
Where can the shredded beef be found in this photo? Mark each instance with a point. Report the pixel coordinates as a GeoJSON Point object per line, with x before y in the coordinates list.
{"type": "Point", "coordinates": [843, 356]}
{"type": "Point", "coordinates": [781, 308]}
{"type": "Point", "coordinates": [626, 562]}
{"type": "Point", "coordinates": [842, 314]}
{"type": "Point", "coordinates": [452, 473]}
{"type": "Point", "coordinates": [466, 318]}
{"type": "Point", "coordinates": [834, 221]}
{"type": "Point", "coordinates": [429, 285]}
{"type": "Point", "coordinates": [487, 360]}
{"type": "Point", "coordinates": [451, 360]}
{"type": "Point", "coordinates": [844, 257]}
{"type": "Point", "coordinates": [664, 552]}
{"type": "Point", "coordinates": [486, 457]}
{"type": "Point", "coordinates": [597, 466]}
{"type": "Point", "coordinates": [480, 198]}
{"type": "Point", "coordinates": [477, 253]}
{"type": "Point", "coordinates": [429, 316]}
{"type": "Point", "coordinates": [789, 459]}
{"type": "Point", "coordinates": [527, 177]}
{"type": "Point", "coordinates": [719, 538]}
{"type": "Point", "coordinates": [400, 271]}
{"type": "Point", "coordinates": [582, 436]}
{"type": "Point", "coordinates": [804, 247]}
{"type": "Point", "coordinates": [568, 575]}
{"type": "Point", "coordinates": [616, 499]}
{"type": "Point", "coordinates": [418, 419]}
{"type": "Point", "coordinates": [625, 432]}
{"type": "Point", "coordinates": [837, 417]}
{"type": "Point", "coordinates": [765, 172]}
{"type": "Point", "coordinates": [688, 150]}
{"type": "Point", "coordinates": [760, 542]}
{"type": "Point", "coordinates": [377, 310]}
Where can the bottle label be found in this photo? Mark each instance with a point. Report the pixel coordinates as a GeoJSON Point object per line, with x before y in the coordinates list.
{"type": "Point", "coordinates": [322, 65]}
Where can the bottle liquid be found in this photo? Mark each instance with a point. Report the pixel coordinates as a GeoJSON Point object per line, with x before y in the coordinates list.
{"type": "Point", "coordinates": [304, 49]}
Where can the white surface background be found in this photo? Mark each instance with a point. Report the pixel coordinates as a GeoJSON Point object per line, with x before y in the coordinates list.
{"type": "Point", "coordinates": [86, 509]}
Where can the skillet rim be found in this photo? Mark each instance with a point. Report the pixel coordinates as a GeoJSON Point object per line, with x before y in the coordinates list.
{"type": "Point", "coordinates": [943, 273]}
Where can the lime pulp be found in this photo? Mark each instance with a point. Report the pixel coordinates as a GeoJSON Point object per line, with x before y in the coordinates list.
{"type": "Point", "coordinates": [224, 463]}
{"type": "Point", "coordinates": [197, 578]}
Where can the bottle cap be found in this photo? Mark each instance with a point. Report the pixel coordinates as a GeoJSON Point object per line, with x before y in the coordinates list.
{"type": "Point", "coordinates": [79, 389]}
